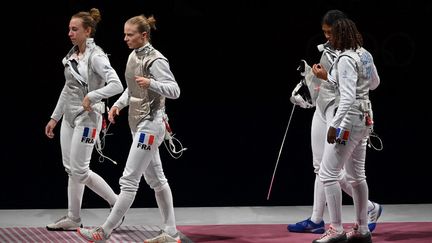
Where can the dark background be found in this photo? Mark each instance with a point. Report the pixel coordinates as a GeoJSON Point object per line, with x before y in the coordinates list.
{"type": "Point", "coordinates": [235, 62]}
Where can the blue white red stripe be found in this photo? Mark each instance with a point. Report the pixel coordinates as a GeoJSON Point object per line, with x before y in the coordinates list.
{"type": "Point", "coordinates": [146, 138]}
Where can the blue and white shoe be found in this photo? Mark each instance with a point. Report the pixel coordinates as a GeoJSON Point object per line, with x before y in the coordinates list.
{"type": "Point", "coordinates": [307, 226]}
{"type": "Point", "coordinates": [374, 215]}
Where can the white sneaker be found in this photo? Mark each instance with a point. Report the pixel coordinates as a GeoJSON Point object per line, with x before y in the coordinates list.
{"type": "Point", "coordinates": [96, 235]}
{"type": "Point", "coordinates": [64, 224]}
{"type": "Point", "coordinates": [332, 236]}
{"type": "Point", "coordinates": [163, 237]}
{"type": "Point", "coordinates": [374, 215]}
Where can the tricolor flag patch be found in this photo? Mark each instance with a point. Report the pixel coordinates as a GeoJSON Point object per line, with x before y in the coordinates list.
{"type": "Point", "coordinates": [342, 136]}
{"type": "Point", "coordinates": [89, 135]}
{"type": "Point", "coordinates": [145, 141]}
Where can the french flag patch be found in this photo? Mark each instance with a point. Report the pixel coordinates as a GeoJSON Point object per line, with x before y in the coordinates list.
{"type": "Point", "coordinates": [342, 136]}
{"type": "Point", "coordinates": [89, 135]}
{"type": "Point", "coordinates": [146, 138]}
{"type": "Point", "coordinates": [145, 141]}
{"type": "Point", "coordinates": [89, 132]}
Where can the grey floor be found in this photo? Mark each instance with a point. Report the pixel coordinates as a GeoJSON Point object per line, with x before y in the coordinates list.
{"type": "Point", "coordinates": [211, 215]}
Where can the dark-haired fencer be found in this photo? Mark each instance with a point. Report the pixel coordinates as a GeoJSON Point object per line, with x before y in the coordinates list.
{"type": "Point", "coordinates": [325, 97]}
{"type": "Point", "coordinates": [353, 73]}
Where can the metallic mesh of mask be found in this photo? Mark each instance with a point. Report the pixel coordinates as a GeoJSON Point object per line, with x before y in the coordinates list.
{"type": "Point", "coordinates": [301, 95]}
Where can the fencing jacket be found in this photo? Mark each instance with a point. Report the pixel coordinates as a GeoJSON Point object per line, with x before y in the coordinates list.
{"type": "Point", "coordinates": [328, 93]}
{"type": "Point", "coordinates": [146, 103]}
{"type": "Point", "coordinates": [92, 76]}
{"type": "Point", "coordinates": [354, 72]}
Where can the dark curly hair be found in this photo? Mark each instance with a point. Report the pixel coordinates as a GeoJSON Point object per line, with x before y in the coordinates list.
{"type": "Point", "coordinates": [331, 16]}
{"type": "Point", "coordinates": [345, 35]}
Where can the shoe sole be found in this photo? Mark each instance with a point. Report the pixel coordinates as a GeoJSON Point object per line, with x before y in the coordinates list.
{"type": "Point", "coordinates": [63, 229]}
{"type": "Point", "coordinates": [359, 240]}
{"type": "Point", "coordinates": [314, 231]}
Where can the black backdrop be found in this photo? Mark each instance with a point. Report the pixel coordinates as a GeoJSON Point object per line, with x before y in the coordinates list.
{"type": "Point", "coordinates": [235, 62]}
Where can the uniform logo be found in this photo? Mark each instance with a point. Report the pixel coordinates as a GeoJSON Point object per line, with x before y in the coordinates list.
{"type": "Point", "coordinates": [342, 136]}
{"type": "Point", "coordinates": [89, 135]}
{"type": "Point", "coordinates": [145, 141]}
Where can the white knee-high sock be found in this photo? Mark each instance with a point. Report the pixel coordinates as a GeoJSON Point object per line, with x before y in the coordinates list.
{"type": "Point", "coordinates": [360, 197]}
{"type": "Point", "coordinates": [319, 201]}
{"type": "Point", "coordinates": [334, 204]}
{"type": "Point", "coordinates": [97, 184]}
{"type": "Point", "coordinates": [164, 200]}
{"type": "Point", "coordinates": [124, 202]}
{"type": "Point", "coordinates": [75, 196]}
{"type": "Point", "coordinates": [347, 188]}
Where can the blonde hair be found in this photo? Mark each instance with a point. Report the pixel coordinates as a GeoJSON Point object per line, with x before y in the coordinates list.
{"type": "Point", "coordinates": [143, 23]}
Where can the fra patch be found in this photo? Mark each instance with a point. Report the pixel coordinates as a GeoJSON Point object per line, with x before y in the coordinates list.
{"type": "Point", "coordinates": [89, 135]}
{"type": "Point", "coordinates": [145, 141]}
{"type": "Point", "coordinates": [342, 136]}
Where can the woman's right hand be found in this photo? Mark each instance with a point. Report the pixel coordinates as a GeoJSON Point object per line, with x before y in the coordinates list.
{"type": "Point", "coordinates": [331, 135]}
{"type": "Point", "coordinates": [319, 71]}
{"type": "Point", "coordinates": [113, 112]}
{"type": "Point", "coordinates": [49, 128]}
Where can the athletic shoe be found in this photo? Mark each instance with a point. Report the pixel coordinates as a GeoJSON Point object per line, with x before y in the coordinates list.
{"type": "Point", "coordinates": [96, 235]}
{"type": "Point", "coordinates": [354, 236]}
{"type": "Point", "coordinates": [64, 224]}
{"type": "Point", "coordinates": [307, 226]}
{"type": "Point", "coordinates": [332, 236]}
{"type": "Point", "coordinates": [374, 215]}
{"type": "Point", "coordinates": [163, 237]}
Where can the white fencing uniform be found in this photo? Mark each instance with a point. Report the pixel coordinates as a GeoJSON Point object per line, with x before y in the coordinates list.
{"type": "Point", "coordinates": [91, 75]}
{"type": "Point", "coordinates": [354, 73]}
{"type": "Point", "coordinates": [325, 97]}
{"type": "Point", "coordinates": [326, 102]}
{"type": "Point", "coordinates": [146, 121]}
